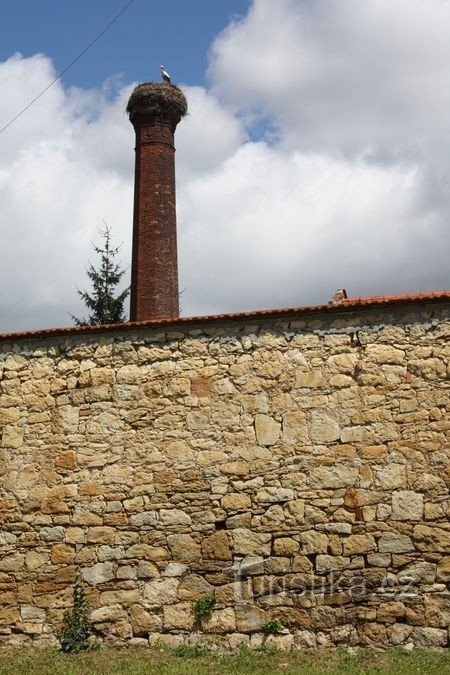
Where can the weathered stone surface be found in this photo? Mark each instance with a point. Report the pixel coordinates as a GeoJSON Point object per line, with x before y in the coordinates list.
{"type": "Point", "coordinates": [327, 563]}
{"type": "Point", "coordinates": [194, 586]}
{"type": "Point", "coordinates": [429, 637]}
{"type": "Point", "coordinates": [174, 517]}
{"type": "Point", "coordinates": [292, 467]}
{"type": "Point", "coordinates": [391, 542]}
{"type": "Point", "coordinates": [418, 573]}
{"type": "Point", "coordinates": [248, 542]}
{"type": "Point", "coordinates": [295, 428]}
{"type": "Point", "coordinates": [183, 548]}
{"type": "Point", "coordinates": [62, 553]}
{"type": "Point", "coordinates": [161, 592]}
{"type": "Point", "coordinates": [221, 621]}
{"type": "Point", "coordinates": [443, 570]}
{"type": "Point", "coordinates": [429, 538]}
{"type": "Point", "coordinates": [144, 623]}
{"type": "Point", "coordinates": [106, 614]}
{"type": "Point", "coordinates": [390, 612]}
{"type": "Point", "coordinates": [267, 430]}
{"type": "Point", "coordinates": [359, 543]}
{"type": "Point", "coordinates": [285, 546]}
{"type": "Point", "coordinates": [323, 428]}
{"type": "Point", "coordinates": [313, 542]}
{"type": "Point", "coordinates": [217, 547]}
{"type": "Point", "coordinates": [178, 617]}
{"type": "Point", "coordinates": [272, 495]}
{"type": "Point", "coordinates": [295, 510]}
{"type": "Point", "coordinates": [236, 502]}
{"type": "Point", "coordinates": [99, 573]}
{"type": "Point", "coordinates": [250, 619]}
{"type": "Point", "coordinates": [437, 610]}
{"type": "Point", "coordinates": [309, 380]}
{"type": "Point", "coordinates": [392, 477]}
{"type": "Point", "coordinates": [384, 354]}
{"type": "Point", "coordinates": [407, 505]}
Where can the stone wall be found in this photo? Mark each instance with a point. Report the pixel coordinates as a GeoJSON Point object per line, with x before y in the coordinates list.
{"type": "Point", "coordinates": [296, 468]}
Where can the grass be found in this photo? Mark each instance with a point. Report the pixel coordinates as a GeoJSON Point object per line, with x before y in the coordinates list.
{"type": "Point", "coordinates": [140, 661]}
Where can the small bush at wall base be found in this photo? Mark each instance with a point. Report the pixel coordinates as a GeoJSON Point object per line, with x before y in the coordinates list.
{"type": "Point", "coordinates": [76, 626]}
{"type": "Point", "coordinates": [203, 608]}
{"type": "Point", "coordinates": [273, 627]}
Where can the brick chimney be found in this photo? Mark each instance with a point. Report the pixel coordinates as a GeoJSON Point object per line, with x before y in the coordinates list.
{"type": "Point", "coordinates": [155, 110]}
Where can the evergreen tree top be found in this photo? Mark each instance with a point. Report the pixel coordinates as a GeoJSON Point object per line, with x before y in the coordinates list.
{"type": "Point", "coordinates": [103, 305]}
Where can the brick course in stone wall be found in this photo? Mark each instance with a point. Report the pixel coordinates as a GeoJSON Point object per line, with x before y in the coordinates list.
{"type": "Point", "coordinates": [295, 469]}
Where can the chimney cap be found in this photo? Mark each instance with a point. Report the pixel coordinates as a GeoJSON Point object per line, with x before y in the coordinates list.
{"type": "Point", "coordinates": [152, 100]}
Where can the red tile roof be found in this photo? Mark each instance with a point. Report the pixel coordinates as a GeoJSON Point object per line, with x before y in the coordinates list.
{"type": "Point", "coordinates": [332, 307]}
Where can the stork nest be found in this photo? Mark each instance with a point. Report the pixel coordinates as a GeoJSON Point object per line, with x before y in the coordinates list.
{"type": "Point", "coordinates": [157, 99]}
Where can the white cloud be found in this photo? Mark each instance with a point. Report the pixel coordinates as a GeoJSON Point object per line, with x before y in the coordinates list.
{"type": "Point", "coordinates": [342, 76]}
{"type": "Point", "coordinates": [353, 192]}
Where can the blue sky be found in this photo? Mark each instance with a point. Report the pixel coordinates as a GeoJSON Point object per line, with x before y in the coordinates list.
{"type": "Point", "coordinates": [316, 154]}
{"type": "Point", "coordinates": [177, 33]}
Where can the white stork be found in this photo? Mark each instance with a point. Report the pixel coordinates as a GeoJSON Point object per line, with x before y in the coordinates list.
{"type": "Point", "coordinates": [165, 75]}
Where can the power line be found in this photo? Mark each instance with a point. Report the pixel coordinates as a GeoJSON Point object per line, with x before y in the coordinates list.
{"type": "Point", "coordinates": [102, 32]}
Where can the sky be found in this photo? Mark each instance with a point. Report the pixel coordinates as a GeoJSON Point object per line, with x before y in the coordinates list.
{"type": "Point", "coordinates": [316, 154]}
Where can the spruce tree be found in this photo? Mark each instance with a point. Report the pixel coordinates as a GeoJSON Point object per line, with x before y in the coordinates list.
{"type": "Point", "coordinates": [103, 305]}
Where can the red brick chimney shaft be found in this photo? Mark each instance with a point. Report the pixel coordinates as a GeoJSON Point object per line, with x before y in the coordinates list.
{"type": "Point", "coordinates": [155, 112]}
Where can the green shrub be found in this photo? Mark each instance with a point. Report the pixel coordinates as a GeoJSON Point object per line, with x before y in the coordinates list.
{"type": "Point", "coordinates": [76, 625]}
{"type": "Point", "coordinates": [203, 608]}
{"type": "Point", "coordinates": [273, 627]}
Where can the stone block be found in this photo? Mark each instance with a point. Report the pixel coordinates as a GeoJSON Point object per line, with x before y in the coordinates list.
{"type": "Point", "coordinates": [328, 563]}
{"type": "Point", "coordinates": [285, 546]}
{"type": "Point", "coordinates": [144, 623]}
{"type": "Point", "coordinates": [216, 547]}
{"type": "Point", "coordinates": [267, 429]}
{"type": "Point", "coordinates": [324, 427]}
{"type": "Point", "coordinates": [247, 542]}
{"type": "Point", "coordinates": [359, 543]}
{"type": "Point", "coordinates": [236, 501]}
{"type": "Point", "coordinates": [62, 554]}
{"type": "Point", "coordinates": [108, 614]}
{"type": "Point", "coordinates": [183, 548]}
{"type": "Point", "coordinates": [99, 573]}
{"type": "Point", "coordinates": [250, 619]}
{"type": "Point", "coordinates": [12, 437]}
{"type": "Point", "coordinates": [392, 477]}
{"type": "Point", "coordinates": [178, 617]}
{"type": "Point", "coordinates": [437, 610]}
{"type": "Point", "coordinates": [392, 542]}
{"type": "Point", "coordinates": [407, 505]}
{"type": "Point", "coordinates": [429, 638]}
{"type": "Point", "coordinates": [221, 621]}
{"type": "Point", "coordinates": [121, 597]}
{"type": "Point", "coordinates": [443, 570]}
{"type": "Point", "coordinates": [431, 538]}
{"type": "Point", "coordinates": [161, 592]}
{"type": "Point", "coordinates": [312, 379]}
{"type": "Point", "coordinates": [194, 586]}
{"type": "Point", "coordinates": [174, 517]}
{"type": "Point", "coordinates": [101, 535]}
{"type": "Point", "coordinates": [295, 428]}
{"type": "Point", "coordinates": [271, 495]}
{"type": "Point", "coordinates": [313, 542]}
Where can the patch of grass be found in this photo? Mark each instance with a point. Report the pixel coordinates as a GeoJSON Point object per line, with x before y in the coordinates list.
{"type": "Point", "coordinates": [191, 651]}
{"type": "Point", "coordinates": [164, 661]}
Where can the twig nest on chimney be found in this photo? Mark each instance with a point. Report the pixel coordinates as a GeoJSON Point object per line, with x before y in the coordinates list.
{"type": "Point", "coordinates": [157, 99]}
